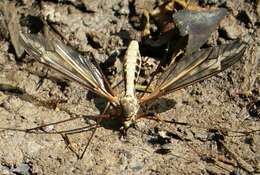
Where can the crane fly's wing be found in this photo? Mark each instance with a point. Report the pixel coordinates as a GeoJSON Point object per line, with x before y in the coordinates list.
{"type": "Point", "coordinates": [67, 61]}
{"type": "Point", "coordinates": [196, 67]}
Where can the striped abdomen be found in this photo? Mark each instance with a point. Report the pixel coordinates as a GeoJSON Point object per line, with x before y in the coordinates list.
{"type": "Point", "coordinates": [132, 64]}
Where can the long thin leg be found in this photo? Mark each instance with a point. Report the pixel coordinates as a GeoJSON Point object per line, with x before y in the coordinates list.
{"type": "Point", "coordinates": [94, 131]}
{"type": "Point", "coordinates": [39, 127]}
{"type": "Point", "coordinates": [71, 148]}
{"type": "Point", "coordinates": [67, 142]}
{"type": "Point", "coordinates": [63, 121]}
{"type": "Point", "coordinates": [86, 147]}
{"type": "Point", "coordinates": [92, 135]}
{"type": "Point", "coordinates": [71, 131]}
{"type": "Point", "coordinates": [157, 70]}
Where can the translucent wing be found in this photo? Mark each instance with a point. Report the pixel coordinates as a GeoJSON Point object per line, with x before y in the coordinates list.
{"type": "Point", "coordinates": [196, 67]}
{"type": "Point", "coordinates": [68, 62]}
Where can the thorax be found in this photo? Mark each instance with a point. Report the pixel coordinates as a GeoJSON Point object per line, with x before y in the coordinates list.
{"type": "Point", "coordinates": [129, 107]}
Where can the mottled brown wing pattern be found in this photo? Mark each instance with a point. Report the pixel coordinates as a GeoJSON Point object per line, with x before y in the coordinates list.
{"type": "Point", "coordinates": [67, 61]}
{"type": "Point", "coordinates": [196, 67]}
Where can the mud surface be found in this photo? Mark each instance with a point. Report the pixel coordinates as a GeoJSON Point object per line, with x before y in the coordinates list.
{"type": "Point", "coordinates": [221, 114]}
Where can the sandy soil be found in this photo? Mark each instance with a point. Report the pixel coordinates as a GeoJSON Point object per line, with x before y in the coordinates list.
{"type": "Point", "coordinates": [222, 113]}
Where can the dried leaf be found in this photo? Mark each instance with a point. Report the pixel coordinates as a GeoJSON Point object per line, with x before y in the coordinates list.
{"type": "Point", "coordinates": [197, 25]}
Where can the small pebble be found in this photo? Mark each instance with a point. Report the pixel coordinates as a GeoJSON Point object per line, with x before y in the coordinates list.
{"type": "Point", "coordinates": [22, 169]}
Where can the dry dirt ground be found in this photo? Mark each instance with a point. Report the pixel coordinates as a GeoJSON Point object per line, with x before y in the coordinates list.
{"type": "Point", "coordinates": [222, 114]}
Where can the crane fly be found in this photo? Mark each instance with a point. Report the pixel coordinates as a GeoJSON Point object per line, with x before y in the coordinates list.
{"type": "Point", "coordinates": [182, 73]}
